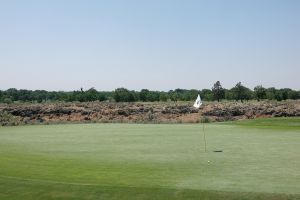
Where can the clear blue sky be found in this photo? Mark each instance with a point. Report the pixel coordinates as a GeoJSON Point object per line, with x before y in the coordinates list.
{"type": "Point", "coordinates": [154, 44]}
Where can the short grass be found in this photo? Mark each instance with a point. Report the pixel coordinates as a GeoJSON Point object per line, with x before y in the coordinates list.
{"type": "Point", "coordinates": [260, 160]}
{"type": "Point", "coordinates": [270, 123]}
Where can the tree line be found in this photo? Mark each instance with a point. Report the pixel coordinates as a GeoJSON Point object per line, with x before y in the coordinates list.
{"type": "Point", "coordinates": [217, 93]}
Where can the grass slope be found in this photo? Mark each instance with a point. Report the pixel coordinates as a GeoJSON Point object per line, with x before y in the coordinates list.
{"type": "Point", "coordinates": [135, 161]}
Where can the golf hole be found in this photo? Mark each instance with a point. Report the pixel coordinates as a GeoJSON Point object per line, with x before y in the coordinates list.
{"type": "Point", "coordinates": [218, 151]}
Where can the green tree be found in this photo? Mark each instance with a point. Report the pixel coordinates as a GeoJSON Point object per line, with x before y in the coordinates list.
{"type": "Point", "coordinates": [153, 96]}
{"type": "Point", "coordinates": [40, 95]}
{"type": "Point", "coordinates": [63, 96]}
{"type": "Point", "coordinates": [229, 94]}
{"type": "Point", "coordinates": [174, 96]}
{"type": "Point", "coordinates": [293, 94]}
{"type": "Point", "coordinates": [218, 91]}
{"type": "Point", "coordinates": [240, 92]}
{"type": "Point", "coordinates": [191, 95]}
{"type": "Point", "coordinates": [163, 96]}
{"type": "Point", "coordinates": [260, 92]}
{"type": "Point", "coordinates": [24, 95]}
{"type": "Point", "coordinates": [12, 93]}
{"type": "Point", "coordinates": [143, 95]}
{"type": "Point", "coordinates": [207, 95]}
{"type": "Point", "coordinates": [285, 93]}
{"type": "Point", "coordinates": [248, 94]}
{"type": "Point", "coordinates": [102, 96]}
{"type": "Point", "coordinates": [1, 96]}
{"type": "Point", "coordinates": [91, 94]}
{"type": "Point", "coordinates": [278, 95]}
{"type": "Point", "coordinates": [270, 93]}
{"type": "Point", "coordinates": [178, 94]}
{"type": "Point", "coordinates": [123, 95]}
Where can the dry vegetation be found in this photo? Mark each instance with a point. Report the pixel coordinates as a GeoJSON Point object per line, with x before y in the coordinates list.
{"type": "Point", "coordinates": [169, 112]}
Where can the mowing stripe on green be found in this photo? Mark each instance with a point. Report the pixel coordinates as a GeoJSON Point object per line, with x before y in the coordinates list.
{"type": "Point", "coordinates": [255, 161]}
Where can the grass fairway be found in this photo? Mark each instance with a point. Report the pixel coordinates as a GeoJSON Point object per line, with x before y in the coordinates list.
{"type": "Point", "coordinates": [260, 160]}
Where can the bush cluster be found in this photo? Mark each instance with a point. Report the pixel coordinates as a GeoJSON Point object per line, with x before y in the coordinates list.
{"type": "Point", "coordinates": [7, 119]}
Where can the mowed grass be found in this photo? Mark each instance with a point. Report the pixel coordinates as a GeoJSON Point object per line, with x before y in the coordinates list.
{"type": "Point", "coordinates": [260, 160]}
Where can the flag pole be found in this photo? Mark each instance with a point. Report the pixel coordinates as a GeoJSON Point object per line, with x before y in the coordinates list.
{"type": "Point", "coordinates": [197, 105]}
{"type": "Point", "coordinates": [204, 136]}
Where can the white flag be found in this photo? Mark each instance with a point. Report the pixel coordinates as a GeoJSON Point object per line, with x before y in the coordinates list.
{"type": "Point", "coordinates": [198, 102]}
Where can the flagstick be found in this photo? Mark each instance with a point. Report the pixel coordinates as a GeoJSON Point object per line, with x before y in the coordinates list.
{"type": "Point", "coordinates": [204, 137]}
{"type": "Point", "coordinates": [197, 104]}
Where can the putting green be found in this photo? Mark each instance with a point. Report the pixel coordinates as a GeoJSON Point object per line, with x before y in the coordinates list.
{"type": "Point", "coordinates": [260, 159]}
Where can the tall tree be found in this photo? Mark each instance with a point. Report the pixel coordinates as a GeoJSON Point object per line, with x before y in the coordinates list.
{"type": "Point", "coordinates": [271, 93]}
{"type": "Point", "coordinates": [143, 94]}
{"type": "Point", "coordinates": [218, 91]}
{"type": "Point", "coordinates": [240, 92]}
{"type": "Point", "coordinates": [174, 96]}
{"type": "Point", "coordinates": [260, 92]}
{"type": "Point", "coordinates": [91, 94]}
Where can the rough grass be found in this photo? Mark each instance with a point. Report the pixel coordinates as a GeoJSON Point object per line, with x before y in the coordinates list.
{"type": "Point", "coordinates": [136, 161]}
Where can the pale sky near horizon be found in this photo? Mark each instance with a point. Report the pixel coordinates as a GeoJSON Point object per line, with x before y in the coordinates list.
{"type": "Point", "coordinates": [154, 44]}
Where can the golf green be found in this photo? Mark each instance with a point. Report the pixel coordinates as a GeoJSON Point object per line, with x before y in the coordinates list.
{"type": "Point", "coordinates": [258, 159]}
